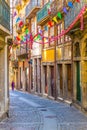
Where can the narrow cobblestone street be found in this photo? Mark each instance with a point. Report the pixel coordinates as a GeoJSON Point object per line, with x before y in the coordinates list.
{"type": "Point", "coordinates": [29, 112]}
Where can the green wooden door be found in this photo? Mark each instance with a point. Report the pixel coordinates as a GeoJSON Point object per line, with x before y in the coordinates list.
{"type": "Point", "coordinates": [78, 82]}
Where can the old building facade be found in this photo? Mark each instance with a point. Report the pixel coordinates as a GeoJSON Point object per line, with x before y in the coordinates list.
{"type": "Point", "coordinates": [57, 58]}
{"type": "Point", "coordinates": [4, 65]}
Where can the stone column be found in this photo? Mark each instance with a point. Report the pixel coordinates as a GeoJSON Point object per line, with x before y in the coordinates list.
{"type": "Point", "coordinates": [2, 80]}
{"type": "Point", "coordinates": [6, 77]}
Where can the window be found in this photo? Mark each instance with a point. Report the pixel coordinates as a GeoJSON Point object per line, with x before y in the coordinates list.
{"type": "Point", "coordinates": [52, 35]}
{"type": "Point", "coordinates": [67, 38]}
{"type": "Point", "coordinates": [46, 35]}
{"type": "Point", "coordinates": [60, 29]}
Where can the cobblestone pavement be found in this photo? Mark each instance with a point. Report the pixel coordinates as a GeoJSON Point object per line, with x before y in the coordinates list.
{"type": "Point", "coordinates": [30, 112]}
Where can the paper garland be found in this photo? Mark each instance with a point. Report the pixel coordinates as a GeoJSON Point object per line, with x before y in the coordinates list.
{"type": "Point", "coordinates": [59, 14]}
{"type": "Point", "coordinates": [18, 19]}
{"type": "Point", "coordinates": [50, 24]}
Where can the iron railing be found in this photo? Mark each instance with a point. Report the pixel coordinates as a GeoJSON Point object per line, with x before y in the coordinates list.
{"type": "Point", "coordinates": [4, 14]}
{"type": "Point", "coordinates": [32, 4]}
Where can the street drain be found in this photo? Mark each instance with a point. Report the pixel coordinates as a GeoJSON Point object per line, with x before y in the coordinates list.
{"type": "Point", "coordinates": [43, 109]}
{"type": "Point", "coordinates": [51, 117]}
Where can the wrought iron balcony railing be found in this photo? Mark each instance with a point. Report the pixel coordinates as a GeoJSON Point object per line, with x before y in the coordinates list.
{"type": "Point", "coordinates": [4, 14]}
{"type": "Point", "coordinates": [22, 51]}
{"type": "Point", "coordinates": [73, 12]}
{"type": "Point", "coordinates": [33, 7]}
{"type": "Point", "coordinates": [42, 13]}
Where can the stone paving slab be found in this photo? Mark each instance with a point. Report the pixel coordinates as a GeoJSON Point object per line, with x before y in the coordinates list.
{"type": "Point", "coordinates": [72, 126]}
{"type": "Point", "coordinates": [41, 114]}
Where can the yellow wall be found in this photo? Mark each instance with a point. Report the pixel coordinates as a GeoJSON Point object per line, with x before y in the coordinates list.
{"type": "Point", "coordinates": [84, 71]}
{"type": "Point", "coordinates": [48, 55]}
{"type": "Point", "coordinates": [59, 53]}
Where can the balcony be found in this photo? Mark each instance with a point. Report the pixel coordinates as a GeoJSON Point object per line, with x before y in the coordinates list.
{"type": "Point", "coordinates": [22, 52]}
{"type": "Point", "coordinates": [4, 17]}
{"type": "Point", "coordinates": [42, 14]}
{"type": "Point", "coordinates": [56, 6]}
{"type": "Point", "coordinates": [73, 12]}
{"type": "Point", "coordinates": [32, 8]}
{"type": "Point", "coordinates": [18, 4]}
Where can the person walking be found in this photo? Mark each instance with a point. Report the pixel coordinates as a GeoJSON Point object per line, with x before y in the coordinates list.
{"type": "Point", "coordinates": [12, 85]}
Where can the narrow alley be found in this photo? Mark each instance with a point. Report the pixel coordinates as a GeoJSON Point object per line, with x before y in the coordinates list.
{"type": "Point", "coordinates": [30, 112]}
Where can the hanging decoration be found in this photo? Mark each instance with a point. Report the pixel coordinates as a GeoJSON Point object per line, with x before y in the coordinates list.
{"type": "Point", "coordinates": [55, 19]}
{"type": "Point", "coordinates": [18, 19]}
{"type": "Point", "coordinates": [50, 23]}
{"type": "Point", "coordinates": [70, 4]}
{"type": "Point", "coordinates": [39, 36]}
{"type": "Point", "coordinates": [18, 38]}
{"type": "Point", "coordinates": [21, 23]}
{"type": "Point", "coordinates": [49, 8]}
{"type": "Point", "coordinates": [59, 15]}
{"type": "Point", "coordinates": [26, 31]}
{"type": "Point", "coordinates": [65, 10]}
{"type": "Point", "coordinates": [14, 14]}
{"type": "Point", "coordinates": [78, 1]}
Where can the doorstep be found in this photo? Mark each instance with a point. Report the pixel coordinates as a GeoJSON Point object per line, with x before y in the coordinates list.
{"type": "Point", "coordinates": [3, 115]}
{"type": "Point", "coordinates": [68, 101]}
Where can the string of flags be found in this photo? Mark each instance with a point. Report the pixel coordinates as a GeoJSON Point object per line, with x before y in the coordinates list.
{"type": "Point", "coordinates": [38, 37]}
{"type": "Point", "coordinates": [59, 14]}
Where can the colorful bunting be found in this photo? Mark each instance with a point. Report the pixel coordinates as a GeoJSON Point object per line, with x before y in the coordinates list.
{"type": "Point", "coordinates": [30, 37]}
{"type": "Point", "coordinates": [59, 15]}
{"type": "Point", "coordinates": [26, 31]}
{"type": "Point", "coordinates": [50, 23]}
{"type": "Point", "coordinates": [48, 6]}
{"type": "Point", "coordinates": [21, 24]}
{"type": "Point", "coordinates": [15, 13]}
{"type": "Point", "coordinates": [65, 10]}
{"type": "Point", "coordinates": [55, 19]}
{"type": "Point", "coordinates": [18, 38]}
{"type": "Point", "coordinates": [18, 19]}
{"type": "Point", "coordinates": [70, 4]}
{"type": "Point", "coordinates": [78, 1]}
